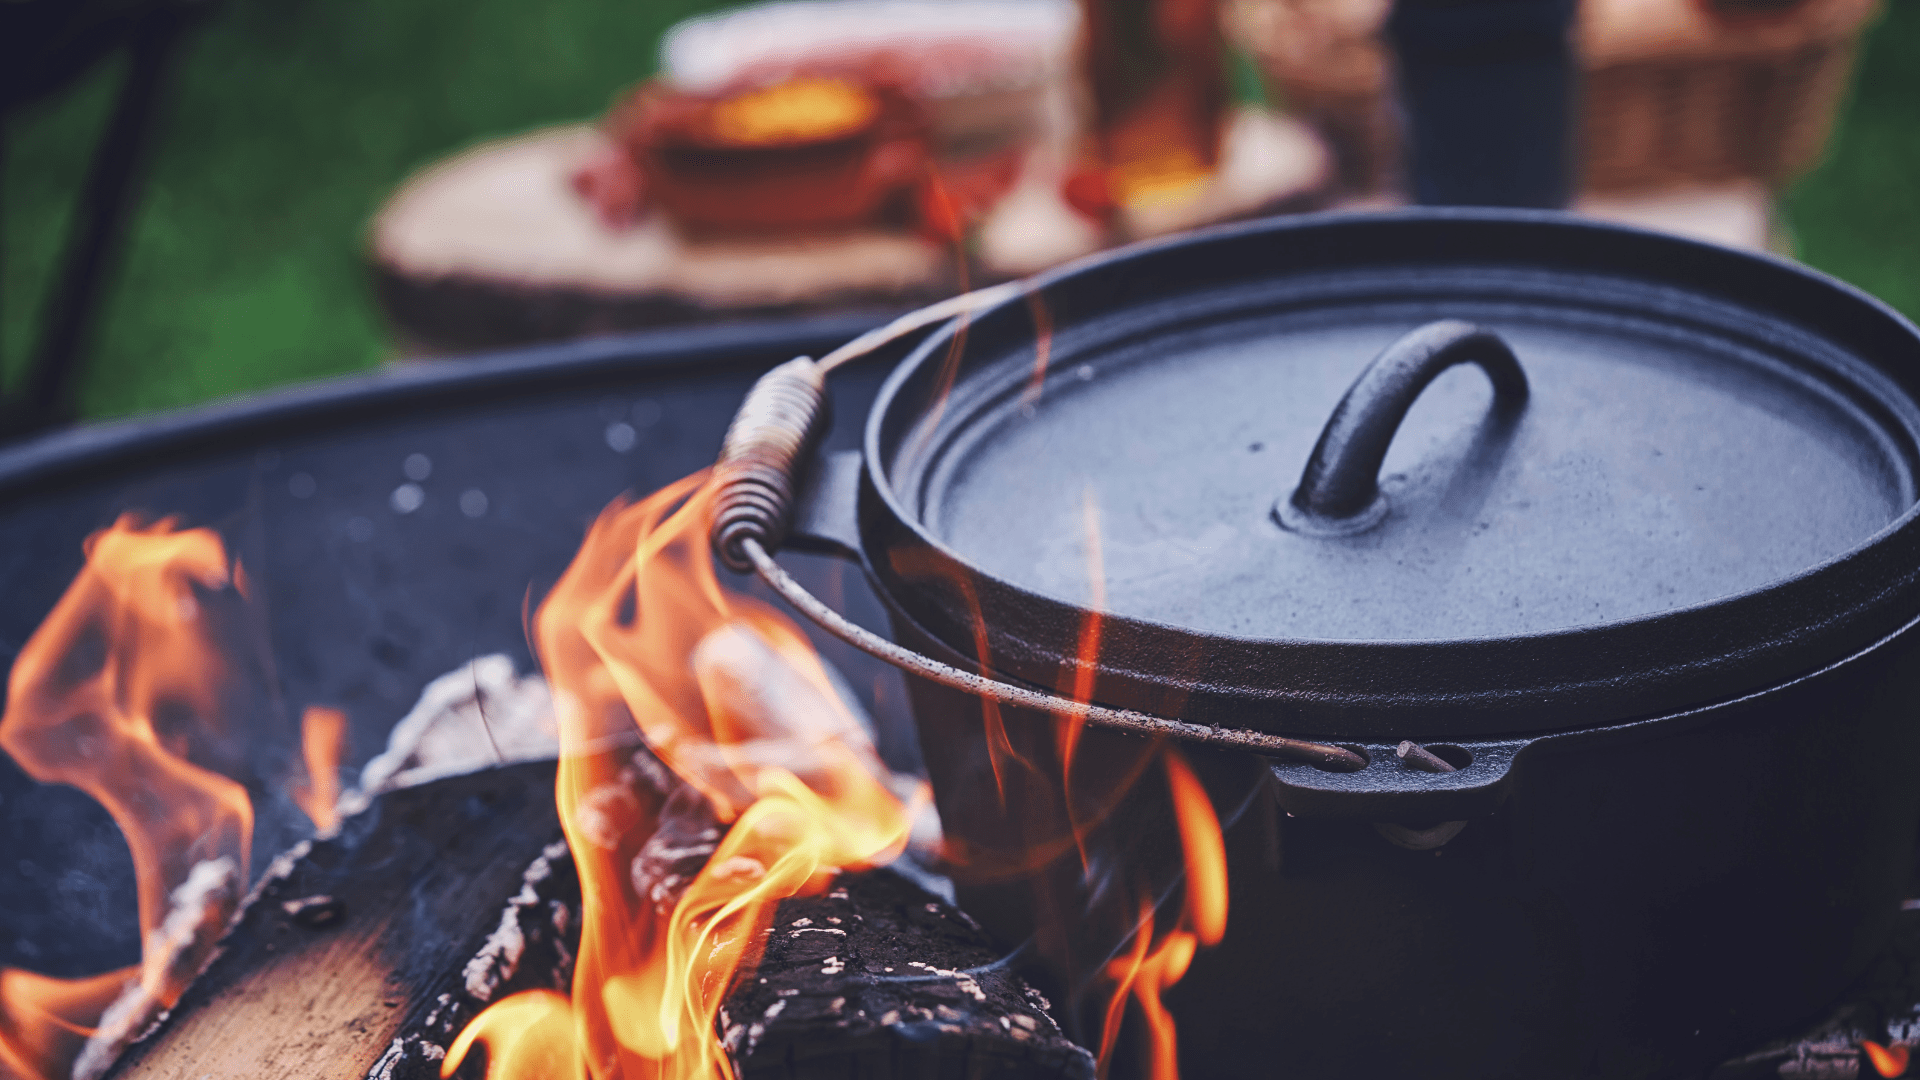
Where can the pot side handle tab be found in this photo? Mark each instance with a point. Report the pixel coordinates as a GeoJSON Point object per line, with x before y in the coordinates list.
{"type": "Point", "coordinates": [826, 514]}
{"type": "Point", "coordinates": [1390, 789]}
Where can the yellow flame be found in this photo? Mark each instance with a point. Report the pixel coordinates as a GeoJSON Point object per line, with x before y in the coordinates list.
{"type": "Point", "coordinates": [639, 634]}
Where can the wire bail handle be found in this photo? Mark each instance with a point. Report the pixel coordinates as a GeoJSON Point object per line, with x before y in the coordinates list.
{"type": "Point", "coordinates": [756, 478]}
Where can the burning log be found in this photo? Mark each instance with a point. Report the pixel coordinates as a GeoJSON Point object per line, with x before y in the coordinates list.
{"type": "Point", "coordinates": [176, 950]}
{"type": "Point", "coordinates": [538, 936]}
{"type": "Point", "coordinates": [876, 971]}
{"type": "Point", "coordinates": [348, 940]}
{"type": "Point", "coordinates": [532, 948]}
{"type": "Point", "coordinates": [880, 978]}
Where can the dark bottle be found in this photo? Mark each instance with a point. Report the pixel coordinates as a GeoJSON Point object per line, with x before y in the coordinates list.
{"type": "Point", "coordinates": [1486, 97]}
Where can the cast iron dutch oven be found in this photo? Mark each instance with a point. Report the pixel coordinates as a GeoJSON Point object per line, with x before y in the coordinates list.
{"type": "Point", "coordinates": [1622, 526]}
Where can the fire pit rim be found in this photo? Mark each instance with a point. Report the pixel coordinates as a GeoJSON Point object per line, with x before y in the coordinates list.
{"type": "Point", "coordinates": [91, 451]}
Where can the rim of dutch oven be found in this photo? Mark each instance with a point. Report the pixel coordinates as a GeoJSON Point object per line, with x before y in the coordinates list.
{"type": "Point", "coordinates": [1822, 634]}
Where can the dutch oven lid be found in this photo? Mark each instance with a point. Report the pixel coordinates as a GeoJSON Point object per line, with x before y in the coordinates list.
{"type": "Point", "coordinates": [1686, 426]}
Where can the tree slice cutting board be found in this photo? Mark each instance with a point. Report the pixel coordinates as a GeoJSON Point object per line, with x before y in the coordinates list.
{"type": "Point", "coordinates": [493, 247]}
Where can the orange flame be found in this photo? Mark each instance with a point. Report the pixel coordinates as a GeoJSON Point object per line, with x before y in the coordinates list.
{"type": "Point", "coordinates": [111, 695]}
{"type": "Point", "coordinates": [1087, 655]}
{"type": "Point", "coordinates": [1888, 1061]}
{"type": "Point", "coordinates": [323, 742]}
{"type": "Point", "coordinates": [1065, 797]}
{"type": "Point", "coordinates": [728, 694]}
{"type": "Point", "coordinates": [1042, 346]}
{"type": "Point", "coordinates": [44, 1021]}
{"type": "Point", "coordinates": [1205, 851]}
{"type": "Point", "coordinates": [1123, 971]}
{"type": "Point", "coordinates": [1147, 979]}
{"type": "Point", "coordinates": [1144, 975]}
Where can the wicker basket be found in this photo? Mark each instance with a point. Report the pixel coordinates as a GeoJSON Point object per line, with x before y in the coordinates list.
{"type": "Point", "coordinates": [1675, 91]}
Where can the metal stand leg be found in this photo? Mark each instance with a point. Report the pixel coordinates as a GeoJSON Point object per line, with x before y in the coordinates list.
{"type": "Point", "coordinates": [48, 396]}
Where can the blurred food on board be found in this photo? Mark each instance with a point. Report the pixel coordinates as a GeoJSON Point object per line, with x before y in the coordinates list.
{"type": "Point", "coordinates": [832, 114]}
{"type": "Point", "coordinates": [807, 154]}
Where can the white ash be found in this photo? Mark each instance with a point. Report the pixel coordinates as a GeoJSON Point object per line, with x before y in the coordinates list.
{"type": "Point", "coordinates": [278, 870]}
{"type": "Point", "coordinates": [400, 1050]}
{"type": "Point", "coordinates": [833, 966]}
{"type": "Point", "coordinates": [479, 714]}
{"type": "Point", "coordinates": [499, 958]}
{"type": "Point", "coordinates": [383, 1068]}
{"type": "Point", "coordinates": [816, 930]}
{"type": "Point", "coordinates": [175, 951]}
{"type": "Point", "coordinates": [1045, 1008]}
{"type": "Point", "coordinates": [964, 980]}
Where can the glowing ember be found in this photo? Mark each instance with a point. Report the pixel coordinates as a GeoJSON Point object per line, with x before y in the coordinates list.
{"type": "Point", "coordinates": [112, 694]}
{"type": "Point", "coordinates": [640, 635]}
{"type": "Point", "coordinates": [323, 742]}
{"type": "Point", "coordinates": [1888, 1061]}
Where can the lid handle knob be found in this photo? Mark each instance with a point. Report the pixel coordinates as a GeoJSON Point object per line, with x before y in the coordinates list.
{"type": "Point", "coordinates": [1340, 491]}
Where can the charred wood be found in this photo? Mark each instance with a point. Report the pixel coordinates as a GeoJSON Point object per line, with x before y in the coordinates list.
{"type": "Point", "coordinates": [351, 940]}
{"type": "Point", "coordinates": [880, 978]}
{"type": "Point", "coordinates": [877, 978]}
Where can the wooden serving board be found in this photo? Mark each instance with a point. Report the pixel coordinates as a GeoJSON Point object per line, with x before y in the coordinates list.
{"type": "Point", "coordinates": [493, 247]}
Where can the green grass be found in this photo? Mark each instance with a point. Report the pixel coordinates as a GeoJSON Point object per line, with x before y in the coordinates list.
{"type": "Point", "coordinates": [1858, 215]}
{"type": "Point", "coordinates": [288, 121]}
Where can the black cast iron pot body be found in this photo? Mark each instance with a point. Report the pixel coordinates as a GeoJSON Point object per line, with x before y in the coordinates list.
{"type": "Point", "coordinates": [1680, 690]}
